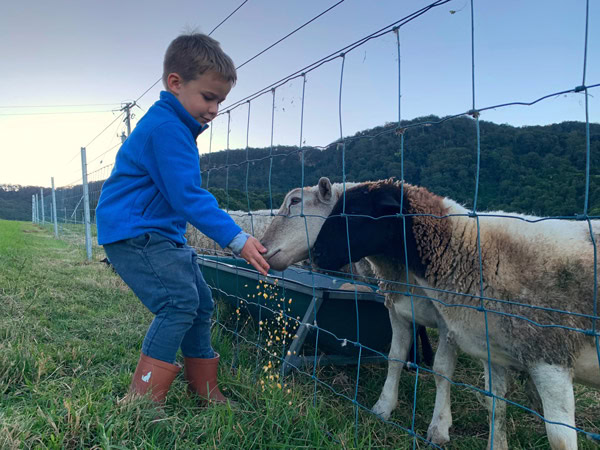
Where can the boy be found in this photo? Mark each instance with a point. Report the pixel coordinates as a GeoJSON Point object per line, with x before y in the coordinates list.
{"type": "Point", "coordinates": [153, 191]}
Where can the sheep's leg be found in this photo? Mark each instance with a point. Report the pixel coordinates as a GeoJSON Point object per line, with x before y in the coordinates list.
{"type": "Point", "coordinates": [496, 407]}
{"type": "Point", "coordinates": [555, 386]}
{"type": "Point", "coordinates": [402, 335]}
{"type": "Point", "coordinates": [443, 367]}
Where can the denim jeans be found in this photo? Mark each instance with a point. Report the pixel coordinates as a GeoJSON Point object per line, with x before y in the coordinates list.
{"type": "Point", "coordinates": [166, 277]}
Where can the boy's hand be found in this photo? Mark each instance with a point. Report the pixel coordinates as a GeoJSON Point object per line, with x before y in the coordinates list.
{"type": "Point", "coordinates": [252, 252]}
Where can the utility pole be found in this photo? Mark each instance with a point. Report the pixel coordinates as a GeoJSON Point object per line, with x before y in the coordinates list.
{"type": "Point", "coordinates": [128, 116]}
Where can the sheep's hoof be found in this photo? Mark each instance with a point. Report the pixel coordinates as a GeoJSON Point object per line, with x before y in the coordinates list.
{"type": "Point", "coordinates": [381, 411]}
{"type": "Point", "coordinates": [436, 436]}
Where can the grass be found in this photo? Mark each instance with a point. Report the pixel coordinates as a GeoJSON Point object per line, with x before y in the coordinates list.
{"type": "Point", "coordinates": [70, 334]}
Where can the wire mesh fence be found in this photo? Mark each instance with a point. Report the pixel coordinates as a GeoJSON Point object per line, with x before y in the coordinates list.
{"type": "Point", "coordinates": [299, 317]}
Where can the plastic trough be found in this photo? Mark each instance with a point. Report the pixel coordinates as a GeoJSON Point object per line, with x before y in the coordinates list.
{"type": "Point", "coordinates": [233, 280]}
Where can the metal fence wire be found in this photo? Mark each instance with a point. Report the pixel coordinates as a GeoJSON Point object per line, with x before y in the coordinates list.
{"type": "Point", "coordinates": [258, 310]}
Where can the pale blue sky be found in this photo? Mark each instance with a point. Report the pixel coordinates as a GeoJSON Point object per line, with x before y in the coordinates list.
{"type": "Point", "coordinates": [73, 53]}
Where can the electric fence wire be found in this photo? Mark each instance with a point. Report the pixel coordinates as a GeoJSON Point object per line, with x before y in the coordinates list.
{"type": "Point", "coordinates": [267, 48]}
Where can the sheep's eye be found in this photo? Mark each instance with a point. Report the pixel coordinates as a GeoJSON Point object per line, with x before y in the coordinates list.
{"type": "Point", "coordinates": [295, 201]}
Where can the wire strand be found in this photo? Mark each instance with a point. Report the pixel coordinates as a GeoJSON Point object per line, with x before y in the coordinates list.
{"type": "Point", "coordinates": [222, 22]}
{"type": "Point", "coordinates": [289, 34]}
{"type": "Point", "coordinates": [226, 18]}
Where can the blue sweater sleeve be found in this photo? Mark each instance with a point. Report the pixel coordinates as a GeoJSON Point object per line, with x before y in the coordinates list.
{"type": "Point", "coordinates": [172, 160]}
{"type": "Point", "coordinates": [238, 242]}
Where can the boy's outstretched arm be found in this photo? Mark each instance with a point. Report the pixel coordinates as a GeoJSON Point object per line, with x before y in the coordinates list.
{"type": "Point", "coordinates": [252, 252]}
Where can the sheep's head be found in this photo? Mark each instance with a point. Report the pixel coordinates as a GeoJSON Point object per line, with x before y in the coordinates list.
{"type": "Point", "coordinates": [365, 223]}
{"type": "Point", "coordinates": [297, 224]}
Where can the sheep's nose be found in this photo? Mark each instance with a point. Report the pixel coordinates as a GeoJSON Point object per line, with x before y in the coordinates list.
{"type": "Point", "coordinates": [270, 253]}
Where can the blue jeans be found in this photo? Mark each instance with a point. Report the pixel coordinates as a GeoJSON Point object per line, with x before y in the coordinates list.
{"type": "Point", "coordinates": [166, 277]}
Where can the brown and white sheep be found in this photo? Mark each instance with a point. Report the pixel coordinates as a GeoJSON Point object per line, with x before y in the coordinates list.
{"type": "Point", "coordinates": [532, 273]}
{"type": "Point", "coordinates": [288, 240]}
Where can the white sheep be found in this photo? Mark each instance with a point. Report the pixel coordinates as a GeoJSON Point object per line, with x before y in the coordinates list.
{"type": "Point", "coordinates": [288, 240]}
{"type": "Point", "coordinates": [252, 222]}
{"type": "Point", "coordinates": [256, 223]}
{"type": "Point", "coordinates": [531, 273]}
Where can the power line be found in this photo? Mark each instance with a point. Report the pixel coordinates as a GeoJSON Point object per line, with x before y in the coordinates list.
{"type": "Point", "coordinates": [53, 113]}
{"type": "Point", "coordinates": [243, 64]}
{"type": "Point", "coordinates": [147, 90]}
{"type": "Point", "coordinates": [58, 106]}
{"type": "Point", "coordinates": [107, 126]}
{"type": "Point", "coordinates": [115, 133]}
{"type": "Point", "coordinates": [96, 137]}
{"type": "Point", "coordinates": [102, 154]}
{"type": "Point", "coordinates": [289, 34]}
{"type": "Point", "coordinates": [155, 83]}
{"type": "Point", "coordinates": [387, 29]}
{"type": "Point", "coordinates": [267, 48]}
{"type": "Point", "coordinates": [225, 19]}
{"type": "Point", "coordinates": [222, 22]}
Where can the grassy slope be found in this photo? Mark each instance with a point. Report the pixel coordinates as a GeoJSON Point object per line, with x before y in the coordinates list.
{"type": "Point", "coordinates": [70, 334]}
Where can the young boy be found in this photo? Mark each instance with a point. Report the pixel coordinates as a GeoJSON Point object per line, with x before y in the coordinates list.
{"type": "Point", "coordinates": [153, 191]}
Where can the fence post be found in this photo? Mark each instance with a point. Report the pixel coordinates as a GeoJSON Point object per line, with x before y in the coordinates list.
{"type": "Point", "coordinates": [32, 208]}
{"type": "Point", "coordinates": [54, 209]}
{"type": "Point", "coordinates": [37, 210]}
{"type": "Point", "coordinates": [86, 205]}
{"type": "Point", "coordinates": [42, 197]}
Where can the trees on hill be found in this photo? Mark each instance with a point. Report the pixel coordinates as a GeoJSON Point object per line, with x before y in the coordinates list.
{"type": "Point", "coordinates": [537, 170]}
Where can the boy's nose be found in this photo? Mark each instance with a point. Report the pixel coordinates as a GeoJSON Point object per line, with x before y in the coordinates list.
{"type": "Point", "coordinates": [212, 111]}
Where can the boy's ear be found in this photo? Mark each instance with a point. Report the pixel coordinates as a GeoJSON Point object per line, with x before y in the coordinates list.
{"type": "Point", "coordinates": [174, 82]}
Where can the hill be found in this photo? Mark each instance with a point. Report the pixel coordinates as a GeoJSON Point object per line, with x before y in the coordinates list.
{"type": "Point", "coordinates": [536, 170]}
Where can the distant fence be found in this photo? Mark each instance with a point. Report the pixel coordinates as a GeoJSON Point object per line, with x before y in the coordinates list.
{"type": "Point", "coordinates": [70, 211]}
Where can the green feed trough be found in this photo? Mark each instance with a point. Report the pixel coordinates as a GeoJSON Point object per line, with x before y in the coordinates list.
{"type": "Point", "coordinates": [301, 294]}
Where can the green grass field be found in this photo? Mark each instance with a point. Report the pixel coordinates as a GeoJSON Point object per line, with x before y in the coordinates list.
{"type": "Point", "coordinates": [70, 334]}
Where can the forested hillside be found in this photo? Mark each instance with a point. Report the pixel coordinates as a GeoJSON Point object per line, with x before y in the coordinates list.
{"type": "Point", "coordinates": [15, 201]}
{"type": "Point", "coordinates": [536, 170]}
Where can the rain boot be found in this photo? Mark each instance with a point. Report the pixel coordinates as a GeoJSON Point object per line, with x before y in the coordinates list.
{"type": "Point", "coordinates": [201, 375]}
{"type": "Point", "coordinates": [154, 376]}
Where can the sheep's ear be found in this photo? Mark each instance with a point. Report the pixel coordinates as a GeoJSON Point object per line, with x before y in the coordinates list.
{"type": "Point", "coordinates": [324, 189]}
{"type": "Point", "coordinates": [387, 205]}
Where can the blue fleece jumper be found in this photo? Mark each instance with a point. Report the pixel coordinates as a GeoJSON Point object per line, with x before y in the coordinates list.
{"type": "Point", "coordinates": [151, 194]}
{"type": "Point", "coordinates": [155, 184]}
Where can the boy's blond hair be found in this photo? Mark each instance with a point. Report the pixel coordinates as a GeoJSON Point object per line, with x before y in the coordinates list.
{"type": "Point", "coordinates": [191, 55]}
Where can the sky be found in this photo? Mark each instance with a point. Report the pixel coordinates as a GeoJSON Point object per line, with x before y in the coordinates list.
{"type": "Point", "coordinates": [68, 67]}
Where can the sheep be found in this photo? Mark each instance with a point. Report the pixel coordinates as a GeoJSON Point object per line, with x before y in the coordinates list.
{"type": "Point", "coordinates": [288, 240]}
{"type": "Point", "coordinates": [253, 222]}
{"type": "Point", "coordinates": [256, 223]}
{"type": "Point", "coordinates": [533, 269]}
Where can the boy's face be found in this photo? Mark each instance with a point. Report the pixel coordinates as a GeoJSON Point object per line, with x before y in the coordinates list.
{"type": "Point", "coordinates": [200, 97]}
